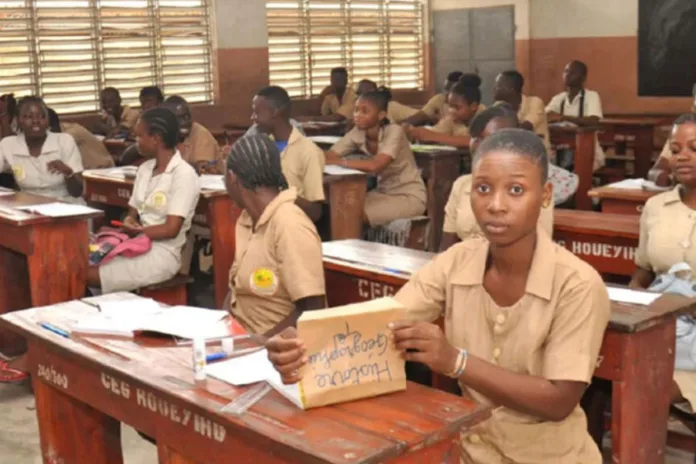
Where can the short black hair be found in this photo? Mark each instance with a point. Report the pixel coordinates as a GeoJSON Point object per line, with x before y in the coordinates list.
{"type": "Point", "coordinates": [519, 142]}
{"type": "Point", "coordinates": [175, 100]}
{"type": "Point", "coordinates": [255, 160]}
{"type": "Point", "coordinates": [454, 76]}
{"type": "Point", "coordinates": [516, 79]}
{"type": "Point", "coordinates": [32, 100]}
{"type": "Point", "coordinates": [380, 98]}
{"type": "Point", "coordinates": [341, 70]}
{"type": "Point", "coordinates": [686, 118]}
{"type": "Point", "coordinates": [152, 91]}
{"type": "Point", "coordinates": [470, 93]}
{"type": "Point", "coordinates": [162, 121]}
{"type": "Point", "coordinates": [470, 79]}
{"type": "Point", "coordinates": [480, 121]}
{"type": "Point", "coordinates": [278, 98]}
{"type": "Point", "coordinates": [113, 90]}
{"type": "Point", "coordinates": [581, 66]}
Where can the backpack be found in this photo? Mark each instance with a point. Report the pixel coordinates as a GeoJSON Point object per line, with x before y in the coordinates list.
{"type": "Point", "coordinates": [109, 243]}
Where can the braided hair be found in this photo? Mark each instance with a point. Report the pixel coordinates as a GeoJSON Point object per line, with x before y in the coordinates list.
{"type": "Point", "coordinates": [255, 160]}
{"type": "Point", "coordinates": [162, 121]}
{"type": "Point", "coordinates": [380, 98]}
{"type": "Point", "coordinates": [518, 142]}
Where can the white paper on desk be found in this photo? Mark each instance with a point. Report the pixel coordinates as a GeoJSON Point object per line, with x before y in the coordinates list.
{"type": "Point", "coordinates": [335, 170]}
{"type": "Point", "coordinates": [65, 320]}
{"type": "Point", "coordinates": [188, 322]}
{"type": "Point", "coordinates": [430, 147]}
{"type": "Point", "coordinates": [653, 187]}
{"type": "Point", "coordinates": [243, 370]}
{"type": "Point", "coordinates": [59, 209]}
{"type": "Point", "coordinates": [212, 182]}
{"type": "Point", "coordinates": [326, 139]}
{"type": "Point", "coordinates": [140, 307]}
{"type": "Point", "coordinates": [629, 184]}
{"type": "Point", "coordinates": [625, 295]}
{"type": "Point", "coordinates": [6, 191]}
{"type": "Point", "coordinates": [13, 213]}
{"type": "Point", "coordinates": [118, 296]}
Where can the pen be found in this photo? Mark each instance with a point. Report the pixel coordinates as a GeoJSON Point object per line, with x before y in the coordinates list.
{"type": "Point", "coordinates": [215, 356]}
{"type": "Point", "coordinates": [117, 223]}
{"type": "Point", "coordinates": [55, 330]}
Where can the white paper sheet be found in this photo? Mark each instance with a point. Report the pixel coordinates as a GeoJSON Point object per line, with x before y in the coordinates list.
{"type": "Point", "coordinates": [118, 296]}
{"type": "Point", "coordinates": [5, 191]}
{"type": "Point", "coordinates": [212, 182]}
{"type": "Point", "coordinates": [335, 170]}
{"type": "Point", "coordinates": [58, 209]}
{"type": "Point", "coordinates": [628, 184]}
{"type": "Point", "coordinates": [625, 295]}
{"type": "Point", "coordinates": [137, 306]}
{"type": "Point", "coordinates": [325, 139]}
{"type": "Point", "coordinates": [243, 370]}
{"type": "Point", "coordinates": [416, 147]}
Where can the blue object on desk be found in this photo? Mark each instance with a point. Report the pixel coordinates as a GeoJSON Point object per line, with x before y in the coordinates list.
{"type": "Point", "coordinates": [215, 356]}
{"type": "Point", "coordinates": [55, 330]}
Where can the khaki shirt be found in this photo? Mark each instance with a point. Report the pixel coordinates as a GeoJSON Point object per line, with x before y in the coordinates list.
{"type": "Point", "coordinates": [175, 192]}
{"type": "Point", "coordinates": [129, 118]}
{"type": "Point", "coordinates": [532, 109]}
{"type": "Point", "coordinates": [276, 264]}
{"type": "Point", "coordinates": [436, 106]}
{"type": "Point", "coordinates": [31, 173]}
{"type": "Point", "coordinates": [459, 217]}
{"type": "Point", "coordinates": [667, 233]}
{"type": "Point", "coordinates": [344, 107]}
{"type": "Point", "coordinates": [200, 145]}
{"type": "Point", "coordinates": [303, 166]}
{"type": "Point", "coordinates": [448, 126]}
{"type": "Point", "coordinates": [554, 331]}
{"type": "Point", "coordinates": [401, 176]}
{"type": "Point", "coordinates": [397, 112]}
{"type": "Point", "coordinates": [93, 151]}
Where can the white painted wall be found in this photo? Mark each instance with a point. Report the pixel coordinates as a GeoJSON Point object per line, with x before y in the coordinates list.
{"type": "Point", "coordinates": [240, 23]}
{"type": "Point", "coordinates": [583, 18]}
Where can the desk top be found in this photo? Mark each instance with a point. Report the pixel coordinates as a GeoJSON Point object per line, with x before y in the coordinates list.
{"type": "Point", "coordinates": [28, 219]}
{"type": "Point", "coordinates": [632, 121]}
{"type": "Point", "coordinates": [571, 128]}
{"type": "Point", "coordinates": [637, 195]}
{"type": "Point", "coordinates": [596, 223]}
{"type": "Point", "coordinates": [363, 258]}
{"type": "Point", "coordinates": [365, 431]}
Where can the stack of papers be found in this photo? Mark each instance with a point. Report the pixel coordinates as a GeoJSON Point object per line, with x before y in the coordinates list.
{"type": "Point", "coordinates": [335, 170]}
{"type": "Point", "coordinates": [212, 182]}
{"type": "Point", "coordinates": [121, 172]}
{"type": "Point", "coordinates": [58, 209]}
{"type": "Point", "coordinates": [625, 295]}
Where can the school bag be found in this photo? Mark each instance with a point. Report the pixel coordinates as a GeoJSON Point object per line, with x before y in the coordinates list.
{"type": "Point", "coordinates": [109, 243]}
{"type": "Point", "coordinates": [679, 280]}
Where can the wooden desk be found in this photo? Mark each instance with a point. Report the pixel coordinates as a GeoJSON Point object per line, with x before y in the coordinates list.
{"type": "Point", "coordinates": [582, 141]}
{"type": "Point", "coordinates": [215, 210]}
{"type": "Point", "coordinates": [642, 129]}
{"type": "Point", "coordinates": [607, 241]}
{"type": "Point", "coordinates": [345, 196]}
{"type": "Point", "coordinates": [637, 354]}
{"type": "Point", "coordinates": [42, 261]}
{"type": "Point", "coordinates": [620, 200]}
{"type": "Point", "coordinates": [85, 387]}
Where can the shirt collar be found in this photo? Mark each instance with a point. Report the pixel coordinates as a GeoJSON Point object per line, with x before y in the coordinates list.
{"type": "Point", "coordinates": [539, 280]}
{"type": "Point", "coordinates": [577, 97]}
{"type": "Point", "coordinates": [672, 196]}
{"type": "Point", "coordinates": [285, 196]}
{"type": "Point", "coordinates": [173, 163]}
{"type": "Point", "coordinates": [295, 136]}
{"type": "Point", "coordinates": [50, 145]}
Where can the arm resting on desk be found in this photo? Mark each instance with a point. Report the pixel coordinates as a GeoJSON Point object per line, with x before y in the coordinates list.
{"type": "Point", "coordinates": [373, 166]}
{"type": "Point", "coordinates": [586, 121]}
{"type": "Point", "coordinates": [418, 119]}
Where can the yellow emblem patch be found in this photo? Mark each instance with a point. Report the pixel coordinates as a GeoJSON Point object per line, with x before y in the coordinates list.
{"type": "Point", "coordinates": [18, 172]}
{"type": "Point", "coordinates": [159, 199]}
{"type": "Point", "coordinates": [263, 282]}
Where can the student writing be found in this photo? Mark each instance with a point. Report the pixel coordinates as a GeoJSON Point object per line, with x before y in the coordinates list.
{"type": "Point", "coordinates": [436, 108]}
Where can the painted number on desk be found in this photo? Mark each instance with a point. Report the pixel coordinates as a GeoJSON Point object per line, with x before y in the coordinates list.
{"type": "Point", "coordinates": [600, 358]}
{"type": "Point", "coordinates": [599, 250]}
{"type": "Point", "coordinates": [49, 375]}
{"type": "Point", "coordinates": [123, 193]}
{"type": "Point", "coordinates": [98, 198]}
{"type": "Point", "coordinates": [117, 387]}
{"type": "Point", "coordinates": [369, 290]}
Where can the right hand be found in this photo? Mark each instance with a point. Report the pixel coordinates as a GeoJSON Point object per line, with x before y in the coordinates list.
{"type": "Point", "coordinates": [288, 355]}
{"type": "Point", "coordinates": [131, 226]}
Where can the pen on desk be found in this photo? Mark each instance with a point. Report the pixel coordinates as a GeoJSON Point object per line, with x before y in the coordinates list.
{"type": "Point", "coordinates": [215, 356]}
{"type": "Point", "coordinates": [55, 330]}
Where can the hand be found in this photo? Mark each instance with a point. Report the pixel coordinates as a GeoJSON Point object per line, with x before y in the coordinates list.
{"type": "Point", "coordinates": [287, 353]}
{"type": "Point", "coordinates": [432, 348]}
{"type": "Point", "coordinates": [59, 167]}
{"type": "Point", "coordinates": [131, 226]}
{"type": "Point", "coordinates": [554, 117]}
{"type": "Point", "coordinates": [418, 133]}
{"type": "Point", "coordinates": [206, 167]}
{"type": "Point", "coordinates": [332, 158]}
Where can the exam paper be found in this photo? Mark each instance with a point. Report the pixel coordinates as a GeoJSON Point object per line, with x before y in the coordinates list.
{"type": "Point", "coordinates": [58, 209]}
{"type": "Point", "coordinates": [212, 182]}
{"type": "Point", "coordinates": [625, 295]}
{"type": "Point", "coordinates": [335, 170]}
{"type": "Point", "coordinates": [628, 184]}
{"type": "Point", "coordinates": [326, 139]}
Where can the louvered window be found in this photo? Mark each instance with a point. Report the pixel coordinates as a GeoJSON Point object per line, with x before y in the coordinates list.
{"type": "Point", "coordinates": [381, 40]}
{"type": "Point", "coordinates": [69, 50]}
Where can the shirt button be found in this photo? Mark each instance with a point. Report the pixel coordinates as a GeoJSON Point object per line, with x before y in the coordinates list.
{"type": "Point", "coordinates": [474, 438]}
{"type": "Point", "coordinates": [498, 329]}
{"type": "Point", "coordinates": [500, 318]}
{"type": "Point", "coordinates": [496, 353]}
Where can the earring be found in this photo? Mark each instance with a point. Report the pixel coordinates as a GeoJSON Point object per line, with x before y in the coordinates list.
{"type": "Point", "coordinates": [546, 203]}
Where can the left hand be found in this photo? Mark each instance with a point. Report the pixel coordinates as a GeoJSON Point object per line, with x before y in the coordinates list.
{"type": "Point", "coordinates": [432, 348]}
{"type": "Point", "coordinates": [59, 167]}
{"type": "Point", "coordinates": [332, 158]}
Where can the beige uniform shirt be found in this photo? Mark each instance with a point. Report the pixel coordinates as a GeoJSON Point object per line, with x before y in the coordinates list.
{"type": "Point", "coordinates": [175, 192]}
{"type": "Point", "coordinates": [401, 176]}
{"type": "Point", "coordinates": [344, 107]}
{"type": "Point", "coordinates": [447, 125]}
{"type": "Point", "coordinates": [532, 109]}
{"type": "Point", "coordinates": [436, 106]}
{"type": "Point", "coordinates": [554, 331]}
{"type": "Point", "coordinates": [459, 217]}
{"type": "Point", "coordinates": [591, 107]}
{"type": "Point", "coordinates": [397, 112]}
{"type": "Point", "coordinates": [276, 263]}
{"type": "Point", "coordinates": [93, 151]}
{"type": "Point", "coordinates": [200, 145]}
{"type": "Point", "coordinates": [129, 118]}
{"type": "Point", "coordinates": [31, 173]}
{"type": "Point", "coordinates": [303, 166]}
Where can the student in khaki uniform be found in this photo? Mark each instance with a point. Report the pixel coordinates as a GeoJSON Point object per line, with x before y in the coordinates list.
{"type": "Point", "coordinates": [164, 200]}
{"type": "Point", "coordinates": [668, 236]}
{"type": "Point", "coordinates": [42, 162]}
{"type": "Point", "coordinates": [460, 223]}
{"type": "Point", "coordinates": [400, 191]}
{"type": "Point", "coordinates": [523, 318]}
{"type": "Point", "coordinates": [301, 159]}
{"type": "Point", "coordinates": [464, 103]}
{"type": "Point", "coordinates": [93, 151]}
{"type": "Point", "coordinates": [278, 271]}
{"type": "Point", "coordinates": [150, 97]}
{"type": "Point", "coordinates": [197, 145]}
{"type": "Point", "coordinates": [116, 119]}
{"type": "Point", "coordinates": [396, 112]}
{"type": "Point", "coordinates": [662, 171]}
{"type": "Point", "coordinates": [437, 107]}
{"type": "Point", "coordinates": [530, 110]}
{"type": "Point", "coordinates": [338, 99]}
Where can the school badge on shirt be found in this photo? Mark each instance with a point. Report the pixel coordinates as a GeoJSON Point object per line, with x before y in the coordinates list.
{"type": "Point", "coordinates": [263, 282]}
{"type": "Point", "coordinates": [18, 172]}
{"type": "Point", "coordinates": [159, 199]}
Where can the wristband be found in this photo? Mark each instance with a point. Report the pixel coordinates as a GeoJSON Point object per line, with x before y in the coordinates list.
{"type": "Point", "coordinates": [459, 364]}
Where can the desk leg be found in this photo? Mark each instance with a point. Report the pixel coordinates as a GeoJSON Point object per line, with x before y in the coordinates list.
{"type": "Point", "coordinates": [14, 295]}
{"type": "Point", "coordinates": [222, 220]}
{"type": "Point", "coordinates": [71, 431]}
{"type": "Point", "coordinates": [643, 151]}
{"type": "Point", "coordinates": [584, 164]}
{"type": "Point", "coordinates": [166, 455]}
{"type": "Point", "coordinates": [346, 206]}
{"type": "Point", "coordinates": [439, 186]}
{"type": "Point", "coordinates": [640, 405]}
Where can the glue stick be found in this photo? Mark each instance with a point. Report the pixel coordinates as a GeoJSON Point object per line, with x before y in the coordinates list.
{"type": "Point", "coordinates": [199, 358]}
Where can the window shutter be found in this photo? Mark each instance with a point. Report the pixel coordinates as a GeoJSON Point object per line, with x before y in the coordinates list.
{"type": "Point", "coordinates": [17, 56]}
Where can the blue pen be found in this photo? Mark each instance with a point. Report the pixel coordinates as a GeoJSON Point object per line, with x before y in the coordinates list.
{"type": "Point", "coordinates": [215, 356]}
{"type": "Point", "coordinates": [55, 330]}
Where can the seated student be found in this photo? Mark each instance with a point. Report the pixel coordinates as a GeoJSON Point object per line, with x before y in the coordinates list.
{"type": "Point", "coordinates": [437, 107]}
{"type": "Point", "coordinates": [400, 191]}
{"type": "Point", "coordinates": [164, 200]}
{"type": "Point", "coordinates": [578, 106]}
{"type": "Point", "coordinates": [453, 129]}
{"type": "Point", "coordinates": [524, 318]}
{"type": "Point", "coordinates": [662, 171]}
{"type": "Point", "coordinates": [150, 97]}
{"type": "Point", "coordinates": [530, 110]}
{"type": "Point", "coordinates": [42, 162]}
{"type": "Point", "coordinates": [9, 125]}
{"type": "Point", "coordinates": [460, 223]}
{"type": "Point", "coordinates": [278, 271]}
{"type": "Point", "coordinates": [396, 112]}
{"type": "Point", "coordinates": [93, 151]}
{"type": "Point", "coordinates": [254, 129]}
{"type": "Point", "coordinates": [116, 119]}
{"type": "Point", "coordinates": [301, 159]}
{"type": "Point", "coordinates": [338, 99]}
{"type": "Point", "coordinates": [668, 235]}
{"type": "Point", "coordinates": [196, 144]}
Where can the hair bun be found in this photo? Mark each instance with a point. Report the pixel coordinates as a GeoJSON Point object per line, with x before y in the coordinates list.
{"type": "Point", "coordinates": [471, 80]}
